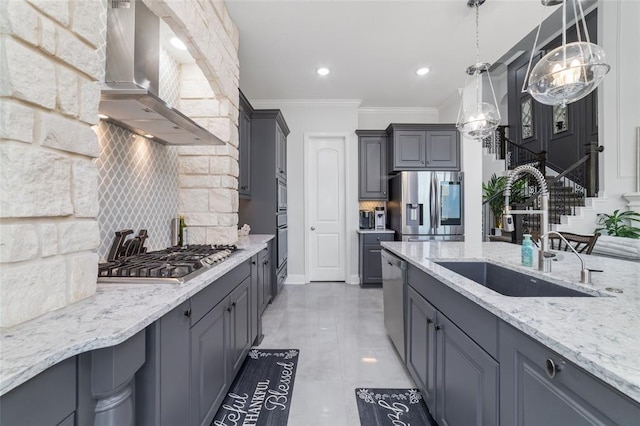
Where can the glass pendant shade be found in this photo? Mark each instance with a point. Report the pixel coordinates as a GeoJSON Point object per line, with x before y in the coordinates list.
{"type": "Point", "coordinates": [479, 121]}
{"type": "Point", "coordinates": [568, 73]}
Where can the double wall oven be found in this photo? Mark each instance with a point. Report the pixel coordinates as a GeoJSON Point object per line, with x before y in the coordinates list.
{"type": "Point", "coordinates": [282, 230]}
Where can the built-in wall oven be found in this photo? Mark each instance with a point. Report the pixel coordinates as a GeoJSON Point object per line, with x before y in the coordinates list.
{"type": "Point", "coordinates": [282, 239]}
{"type": "Point", "coordinates": [282, 196]}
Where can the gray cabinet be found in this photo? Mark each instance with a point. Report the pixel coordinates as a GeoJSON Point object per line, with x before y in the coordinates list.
{"type": "Point", "coordinates": [467, 377]}
{"type": "Point", "coordinates": [539, 387]}
{"type": "Point", "coordinates": [210, 373]}
{"type": "Point", "coordinates": [423, 147]}
{"type": "Point", "coordinates": [372, 164]}
{"type": "Point", "coordinates": [47, 399]}
{"type": "Point", "coordinates": [244, 147]}
{"type": "Point", "coordinates": [266, 211]}
{"type": "Point", "coordinates": [370, 260]}
{"type": "Point", "coordinates": [446, 353]}
{"type": "Point", "coordinates": [240, 325]}
{"type": "Point", "coordinates": [421, 346]}
{"type": "Point", "coordinates": [264, 279]}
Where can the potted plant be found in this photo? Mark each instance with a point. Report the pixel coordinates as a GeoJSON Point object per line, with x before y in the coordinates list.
{"type": "Point", "coordinates": [619, 224]}
{"type": "Point", "coordinates": [622, 239]}
{"type": "Point", "coordinates": [495, 185]}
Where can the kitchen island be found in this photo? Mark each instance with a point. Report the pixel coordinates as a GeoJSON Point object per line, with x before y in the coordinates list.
{"type": "Point", "coordinates": [116, 313]}
{"type": "Point", "coordinates": [598, 334]}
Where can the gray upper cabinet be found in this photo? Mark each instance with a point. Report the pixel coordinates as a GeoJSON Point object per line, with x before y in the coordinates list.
{"type": "Point", "coordinates": [423, 147]}
{"type": "Point", "coordinates": [538, 387]}
{"type": "Point", "coordinates": [372, 166]}
{"type": "Point", "coordinates": [281, 154]}
{"type": "Point", "coordinates": [244, 147]}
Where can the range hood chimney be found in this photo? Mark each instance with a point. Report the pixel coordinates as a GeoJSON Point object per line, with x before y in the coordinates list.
{"type": "Point", "coordinates": [130, 91]}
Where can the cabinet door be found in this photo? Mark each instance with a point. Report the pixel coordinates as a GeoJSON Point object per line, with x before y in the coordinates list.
{"type": "Point", "coordinates": [373, 168]}
{"type": "Point", "coordinates": [240, 325]}
{"type": "Point", "coordinates": [443, 150]}
{"type": "Point", "coordinates": [372, 266]}
{"type": "Point", "coordinates": [209, 363]}
{"type": "Point", "coordinates": [409, 150]}
{"type": "Point", "coordinates": [535, 392]}
{"type": "Point", "coordinates": [244, 153]}
{"type": "Point", "coordinates": [255, 297]}
{"type": "Point", "coordinates": [421, 346]}
{"type": "Point", "coordinates": [281, 154]}
{"type": "Point", "coordinates": [467, 379]}
{"type": "Point", "coordinates": [264, 280]}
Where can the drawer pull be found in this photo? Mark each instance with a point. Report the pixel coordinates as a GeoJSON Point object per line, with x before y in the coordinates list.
{"type": "Point", "coordinates": [187, 313]}
{"type": "Point", "coordinates": [437, 327]}
{"type": "Point", "coordinates": [552, 368]}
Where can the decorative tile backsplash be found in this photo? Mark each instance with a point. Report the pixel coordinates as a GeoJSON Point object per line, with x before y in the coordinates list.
{"type": "Point", "coordinates": [370, 205]}
{"type": "Point", "coordinates": [137, 187]}
{"type": "Point", "coordinates": [169, 79]}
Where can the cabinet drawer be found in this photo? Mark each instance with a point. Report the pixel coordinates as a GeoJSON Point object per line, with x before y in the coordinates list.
{"type": "Point", "coordinates": [281, 220]}
{"type": "Point", "coordinates": [475, 321]}
{"type": "Point", "coordinates": [376, 238]}
{"type": "Point", "coordinates": [210, 296]}
{"type": "Point", "coordinates": [282, 275]}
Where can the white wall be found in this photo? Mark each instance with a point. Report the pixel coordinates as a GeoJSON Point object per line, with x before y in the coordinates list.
{"type": "Point", "coordinates": [380, 118]}
{"type": "Point", "coordinates": [321, 116]}
{"type": "Point", "coordinates": [619, 101]}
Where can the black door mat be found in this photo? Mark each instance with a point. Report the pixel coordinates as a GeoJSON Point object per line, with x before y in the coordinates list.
{"type": "Point", "coordinates": [391, 407]}
{"type": "Point", "coordinates": [261, 393]}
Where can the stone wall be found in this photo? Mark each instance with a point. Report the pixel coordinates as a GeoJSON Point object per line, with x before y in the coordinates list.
{"type": "Point", "coordinates": [49, 73]}
{"type": "Point", "coordinates": [207, 176]}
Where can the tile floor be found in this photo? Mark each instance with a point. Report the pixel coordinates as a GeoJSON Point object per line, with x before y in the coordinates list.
{"type": "Point", "coordinates": [339, 330]}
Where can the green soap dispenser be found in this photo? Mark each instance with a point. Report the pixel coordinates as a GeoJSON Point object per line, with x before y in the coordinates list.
{"type": "Point", "coordinates": [526, 252]}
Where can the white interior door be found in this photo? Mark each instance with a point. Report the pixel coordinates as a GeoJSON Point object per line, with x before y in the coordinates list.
{"type": "Point", "coordinates": [325, 192]}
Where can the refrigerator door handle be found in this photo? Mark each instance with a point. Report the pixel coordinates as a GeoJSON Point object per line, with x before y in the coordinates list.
{"type": "Point", "coordinates": [433, 202]}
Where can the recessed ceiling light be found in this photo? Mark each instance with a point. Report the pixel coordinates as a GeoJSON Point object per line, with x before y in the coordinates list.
{"type": "Point", "coordinates": [422, 71]}
{"type": "Point", "coordinates": [103, 116]}
{"type": "Point", "coordinates": [178, 44]}
{"type": "Point", "coordinates": [323, 71]}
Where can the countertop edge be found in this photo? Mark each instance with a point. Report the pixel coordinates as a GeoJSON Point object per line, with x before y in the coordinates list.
{"type": "Point", "coordinates": [35, 363]}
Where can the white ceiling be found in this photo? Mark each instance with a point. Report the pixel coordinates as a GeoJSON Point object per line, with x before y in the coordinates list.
{"type": "Point", "coordinates": [373, 47]}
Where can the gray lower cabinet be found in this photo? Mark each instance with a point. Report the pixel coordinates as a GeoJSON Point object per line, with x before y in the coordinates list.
{"type": "Point", "coordinates": [48, 399]}
{"type": "Point", "coordinates": [264, 279]}
{"type": "Point", "coordinates": [467, 379]}
{"type": "Point", "coordinates": [372, 164]}
{"type": "Point", "coordinates": [540, 388]}
{"type": "Point", "coordinates": [457, 378]}
{"type": "Point", "coordinates": [370, 260]}
{"type": "Point", "coordinates": [423, 147]}
{"type": "Point", "coordinates": [421, 346]}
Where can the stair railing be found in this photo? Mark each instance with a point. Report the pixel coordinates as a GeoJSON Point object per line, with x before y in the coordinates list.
{"type": "Point", "coordinates": [518, 155]}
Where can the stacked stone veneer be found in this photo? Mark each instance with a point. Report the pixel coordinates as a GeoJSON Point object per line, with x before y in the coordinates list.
{"type": "Point", "coordinates": [49, 72]}
{"type": "Point", "coordinates": [207, 176]}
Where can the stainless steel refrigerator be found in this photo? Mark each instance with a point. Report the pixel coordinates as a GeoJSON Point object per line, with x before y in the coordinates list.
{"type": "Point", "coordinates": [427, 206]}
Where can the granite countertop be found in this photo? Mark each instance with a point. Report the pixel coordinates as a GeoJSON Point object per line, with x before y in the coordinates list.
{"type": "Point", "coordinates": [114, 314]}
{"type": "Point", "coordinates": [599, 334]}
{"type": "Point", "coordinates": [376, 231]}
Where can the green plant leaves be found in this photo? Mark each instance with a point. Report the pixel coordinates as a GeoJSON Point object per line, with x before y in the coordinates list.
{"type": "Point", "coordinates": [619, 224]}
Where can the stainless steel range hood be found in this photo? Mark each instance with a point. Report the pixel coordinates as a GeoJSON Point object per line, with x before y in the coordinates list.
{"type": "Point", "coordinates": [130, 91]}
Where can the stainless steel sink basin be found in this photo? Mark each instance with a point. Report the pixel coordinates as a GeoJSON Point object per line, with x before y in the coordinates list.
{"type": "Point", "coordinates": [508, 282]}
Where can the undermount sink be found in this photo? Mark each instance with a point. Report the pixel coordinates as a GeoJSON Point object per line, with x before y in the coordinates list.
{"type": "Point", "coordinates": [508, 282]}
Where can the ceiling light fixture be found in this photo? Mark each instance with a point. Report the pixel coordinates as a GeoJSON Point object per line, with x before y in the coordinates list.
{"type": "Point", "coordinates": [148, 136]}
{"type": "Point", "coordinates": [177, 43]}
{"type": "Point", "coordinates": [323, 71]}
{"type": "Point", "coordinates": [570, 72]}
{"type": "Point", "coordinates": [422, 71]}
{"type": "Point", "coordinates": [482, 118]}
{"type": "Point", "coordinates": [103, 116]}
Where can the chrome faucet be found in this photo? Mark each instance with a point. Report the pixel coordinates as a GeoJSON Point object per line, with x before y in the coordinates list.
{"type": "Point", "coordinates": [585, 273]}
{"type": "Point", "coordinates": [507, 219]}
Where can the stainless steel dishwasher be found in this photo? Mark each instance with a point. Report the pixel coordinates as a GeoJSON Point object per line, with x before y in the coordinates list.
{"type": "Point", "coordinates": [393, 278]}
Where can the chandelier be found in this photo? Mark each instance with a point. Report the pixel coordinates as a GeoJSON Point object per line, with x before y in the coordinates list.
{"type": "Point", "coordinates": [481, 119]}
{"type": "Point", "coordinates": [570, 72]}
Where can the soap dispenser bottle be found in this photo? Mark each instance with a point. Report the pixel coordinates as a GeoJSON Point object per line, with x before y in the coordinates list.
{"type": "Point", "coordinates": [526, 252]}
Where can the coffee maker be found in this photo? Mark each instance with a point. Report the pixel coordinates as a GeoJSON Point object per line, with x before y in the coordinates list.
{"type": "Point", "coordinates": [380, 220]}
{"type": "Point", "coordinates": [366, 219]}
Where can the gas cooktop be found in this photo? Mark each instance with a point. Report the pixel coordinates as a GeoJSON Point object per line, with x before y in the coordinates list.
{"type": "Point", "coordinates": [171, 265]}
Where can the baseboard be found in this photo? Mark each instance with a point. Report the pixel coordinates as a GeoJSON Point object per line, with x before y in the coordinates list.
{"type": "Point", "coordinates": [354, 280]}
{"type": "Point", "coordinates": [295, 279]}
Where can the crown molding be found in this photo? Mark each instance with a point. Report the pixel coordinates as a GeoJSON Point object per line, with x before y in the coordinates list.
{"type": "Point", "coordinates": [400, 110]}
{"type": "Point", "coordinates": [276, 103]}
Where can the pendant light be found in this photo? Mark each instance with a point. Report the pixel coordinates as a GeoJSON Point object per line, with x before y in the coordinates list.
{"type": "Point", "coordinates": [481, 119]}
{"type": "Point", "coordinates": [570, 72]}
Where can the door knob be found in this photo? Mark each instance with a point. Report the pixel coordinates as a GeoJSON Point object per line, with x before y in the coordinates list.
{"type": "Point", "coordinates": [313, 228]}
